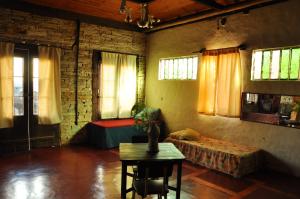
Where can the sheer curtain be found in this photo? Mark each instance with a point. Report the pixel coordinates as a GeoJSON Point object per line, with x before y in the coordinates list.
{"type": "Point", "coordinates": [49, 86]}
{"type": "Point", "coordinates": [117, 85]}
{"type": "Point", "coordinates": [220, 82]}
{"type": "Point", "coordinates": [6, 84]}
{"type": "Point", "coordinates": [108, 107]}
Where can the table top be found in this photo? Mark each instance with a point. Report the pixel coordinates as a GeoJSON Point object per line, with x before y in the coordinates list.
{"type": "Point", "coordinates": [138, 151]}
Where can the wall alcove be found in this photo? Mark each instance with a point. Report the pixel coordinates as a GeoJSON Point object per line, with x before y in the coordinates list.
{"type": "Point", "coordinates": [276, 109]}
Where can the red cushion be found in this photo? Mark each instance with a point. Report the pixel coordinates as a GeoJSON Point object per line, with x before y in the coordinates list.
{"type": "Point", "coordinates": [114, 123]}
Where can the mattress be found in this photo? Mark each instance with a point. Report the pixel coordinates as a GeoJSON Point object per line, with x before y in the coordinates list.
{"type": "Point", "coordinates": [114, 123]}
{"type": "Point", "coordinates": [233, 159]}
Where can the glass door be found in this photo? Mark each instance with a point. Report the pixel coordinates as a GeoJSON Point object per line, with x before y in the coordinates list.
{"type": "Point", "coordinates": [26, 133]}
{"type": "Point", "coordinates": [19, 134]}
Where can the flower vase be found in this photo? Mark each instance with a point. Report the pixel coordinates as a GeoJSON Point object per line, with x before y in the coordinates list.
{"type": "Point", "coordinates": [153, 134]}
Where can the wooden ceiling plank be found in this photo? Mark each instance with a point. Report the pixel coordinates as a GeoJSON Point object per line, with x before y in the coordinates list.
{"type": "Point", "coordinates": [64, 14]}
{"type": "Point", "coordinates": [210, 14]}
{"type": "Point", "coordinates": [211, 4]}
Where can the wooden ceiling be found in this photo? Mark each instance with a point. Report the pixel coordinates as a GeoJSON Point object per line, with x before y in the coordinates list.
{"type": "Point", "coordinates": [165, 10]}
{"type": "Point", "coordinates": [107, 11]}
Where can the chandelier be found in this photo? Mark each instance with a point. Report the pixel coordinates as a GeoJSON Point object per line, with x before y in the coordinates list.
{"type": "Point", "coordinates": [146, 20]}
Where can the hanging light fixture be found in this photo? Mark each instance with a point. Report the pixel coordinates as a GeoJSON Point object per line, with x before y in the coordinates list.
{"type": "Point", "coordinates": [146, 20]}
{"type": "Point", "coordinates": [125, 10]}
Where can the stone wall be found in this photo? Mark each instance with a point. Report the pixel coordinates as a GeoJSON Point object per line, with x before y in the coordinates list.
{"type": "Point", "coordinates": [22, 26]}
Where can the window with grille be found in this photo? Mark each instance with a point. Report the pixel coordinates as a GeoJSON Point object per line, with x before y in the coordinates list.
{"type": "Point", "coordinates": [276, 64]}
{"type": "Point", "coordinates": [179, 68]}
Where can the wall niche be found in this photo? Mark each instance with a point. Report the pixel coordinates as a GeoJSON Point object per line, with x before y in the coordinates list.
{"type": "Point", "coordinates": [276, 109]}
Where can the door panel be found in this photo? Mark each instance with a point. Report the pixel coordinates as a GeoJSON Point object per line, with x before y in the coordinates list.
{"type": "Point", "coordinates": [26, 133]}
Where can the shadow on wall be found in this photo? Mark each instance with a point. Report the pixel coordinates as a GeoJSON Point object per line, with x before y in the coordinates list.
{"type": "Point", "coordinates": [164, 130]}
{"type": "Point", "coordinates": [80, 138]}
{"type": "Point", "coordinates": [273, 163]}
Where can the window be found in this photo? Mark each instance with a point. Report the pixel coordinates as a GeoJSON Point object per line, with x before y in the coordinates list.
{"type": "Point", "coordinates": [276, 64]}
{"type": "Point", "coordinates": [181, 68]}
{"type": "Point", "coordinates": [18, 86]}
{"type": "Point", "coordinates": [35, 78]}
{"type": "Point", "coordinates": [117, 85]}
{"type": "Point", "coordinates": [19, 75]}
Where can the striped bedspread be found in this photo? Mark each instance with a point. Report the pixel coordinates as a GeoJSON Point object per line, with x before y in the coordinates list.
{"type": "Point", "coordinates": [233, 159]}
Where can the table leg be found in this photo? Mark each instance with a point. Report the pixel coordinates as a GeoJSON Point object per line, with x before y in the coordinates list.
{"type": "Point", "coordinates": [123, 180]}
{"type": "Point", "coordinates": [178, 186]}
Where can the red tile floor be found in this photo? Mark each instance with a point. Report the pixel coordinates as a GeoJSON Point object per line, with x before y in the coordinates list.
{"type": "Point", "coordinates": [83, 173]}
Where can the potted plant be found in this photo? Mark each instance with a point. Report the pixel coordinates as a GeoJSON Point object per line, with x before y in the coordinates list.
{"type": "Point", "coordinates": [147, 121]}
{"type": "Point", "coordinates": [295, 111]}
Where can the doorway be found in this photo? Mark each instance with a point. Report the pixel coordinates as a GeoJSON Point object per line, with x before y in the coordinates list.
{"type": "Point", "coordinates": [26, 132]}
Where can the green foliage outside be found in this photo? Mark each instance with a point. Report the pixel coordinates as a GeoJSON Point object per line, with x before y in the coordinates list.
{"type": "Point", "coordinates": [266, 65]}
{"type": "Point", "coordinates": [295, 63]}
{"type": "Point", "coordinates": [284, 65]}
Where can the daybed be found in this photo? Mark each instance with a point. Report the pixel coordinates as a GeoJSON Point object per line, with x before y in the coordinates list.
{"type": "Point", "coordinates": [107, 134]}
{"type": "Point", "coordinates": [233, 159]}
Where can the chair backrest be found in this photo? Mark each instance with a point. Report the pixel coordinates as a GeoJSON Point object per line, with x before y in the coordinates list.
{"type": "Point", "coordinates": [154, 169]}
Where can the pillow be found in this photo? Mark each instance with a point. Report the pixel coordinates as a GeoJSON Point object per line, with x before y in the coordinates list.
{"type": "Point", "coordinates": [153, 113]}
{"type": "Point", "coordinates": [176, 135]}
{"type": "Point", "coordinates": [187, 134]}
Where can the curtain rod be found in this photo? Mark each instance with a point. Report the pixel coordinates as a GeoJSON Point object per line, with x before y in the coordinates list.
{"type": "Point", "coordinates": [240, 47]}
{"type": "Point", "coordinates": [107, 51]}
{"type": "Point", "coordinates": [33, 42]}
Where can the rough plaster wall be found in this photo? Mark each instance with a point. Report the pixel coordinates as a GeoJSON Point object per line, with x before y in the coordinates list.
{"type": "Point", "coordinates": [273, 26]}
{"type": "Point", "coordinates": [16, 25]}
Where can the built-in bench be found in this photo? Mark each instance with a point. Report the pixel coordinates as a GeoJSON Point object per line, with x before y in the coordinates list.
{"type": "Point", "coordinates": [107, 134]}
{"type": "Point", "coordinates": [233, 159]}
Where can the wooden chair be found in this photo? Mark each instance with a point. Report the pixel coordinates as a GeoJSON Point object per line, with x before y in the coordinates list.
{"type": "Point", "coordinates": [152, 178]}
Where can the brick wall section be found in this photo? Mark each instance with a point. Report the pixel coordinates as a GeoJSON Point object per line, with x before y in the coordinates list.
{"type": "Point", "coordinates": [19, 26]}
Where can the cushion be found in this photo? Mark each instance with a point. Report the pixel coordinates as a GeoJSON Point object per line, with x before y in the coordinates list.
{"type": "Point", "coordinates": [186, 134]}
{"type": "Point", "coordinates": [153, 113]}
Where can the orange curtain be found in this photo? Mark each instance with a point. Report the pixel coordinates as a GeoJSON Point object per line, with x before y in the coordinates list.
{"type": "Point", "coordinates": [220, 82]}
{"type": "Point", "coordinates": [6, 84]}
{"type": "Point", "coordinates": [207, 87]}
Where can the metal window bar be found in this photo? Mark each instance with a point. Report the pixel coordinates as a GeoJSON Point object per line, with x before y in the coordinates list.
{"type": "Point", "coordinates": [262, 64]}
{"type": "Point", "coordinates": [289, 64]}
{"type": "Point", "coordinates": [252, 66]}
{"type": "Point", "coordinates": [192, 67]}
{"type": "Point", "coordinates": [270, 66]}
{"type": "Point", "coordinates": [279, 68]}
{"type": "Point", "coordinates": [299, 69]}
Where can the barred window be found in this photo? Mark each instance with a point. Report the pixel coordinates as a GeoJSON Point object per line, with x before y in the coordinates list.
{"type": "Point", "coordinates": [179, 68]}
{"type": "Point", "coordinates": [276, 64]}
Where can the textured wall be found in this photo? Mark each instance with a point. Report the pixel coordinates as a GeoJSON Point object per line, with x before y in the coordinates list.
{"type": "Point", "coordinates": [273, 26]}
{"type": "Point", "coordinates": [16, 25]}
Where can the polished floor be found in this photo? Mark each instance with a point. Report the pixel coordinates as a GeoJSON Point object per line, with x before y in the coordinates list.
{"type": "Point", "coordinates": [83, 173]}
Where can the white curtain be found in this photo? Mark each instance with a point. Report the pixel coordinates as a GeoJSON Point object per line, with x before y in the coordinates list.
{"type": "Point", "coordinates": [6, 84]}
{"type": "Point", "coordinates": [117, 85]}
{"type": "Point", "coordinates": [49, 103]}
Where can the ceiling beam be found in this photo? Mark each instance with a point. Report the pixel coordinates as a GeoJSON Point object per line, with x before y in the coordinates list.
{"type": "Point", "coordinates": [228, 10]}
{"type": "Point", "coordinates": [211, 4]}
{"type": "Point", "coordinates": [142, 1]}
